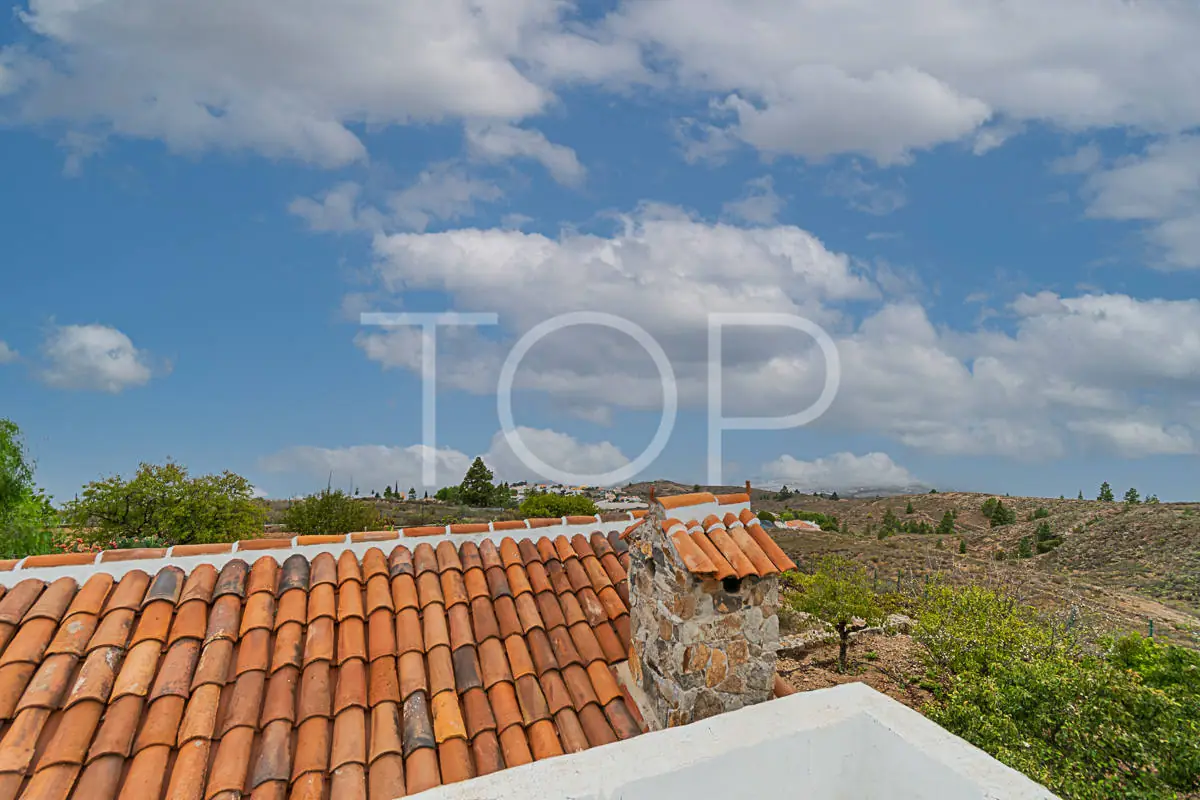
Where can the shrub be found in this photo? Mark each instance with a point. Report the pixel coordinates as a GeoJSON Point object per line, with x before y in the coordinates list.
{"type": "Point", "coordinates": [167, 503]}
{"type": "Point", "coordinates": [557, 505]}
{"type": "Point", "coordinates": [1040, 513]}
{"type": "Point", "coordinates": [330, 512]}
{"type": "Point", "coordinates": [766, 516]}
{"type": "Point", "coordinates": [1111, 723]}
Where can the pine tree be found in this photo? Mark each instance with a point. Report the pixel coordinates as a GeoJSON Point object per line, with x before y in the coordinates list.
{"type": "Point", "coordinates": [908, 509]}
{"type": "Point", "coordinates": [1025, 547]}
{"type": "Point", "coordinates": [476, 488]}
{"type": "Point", "coordinates": [412, 493]}
{"type": "Point", "coordinates": [834, 496]}
{"type": "Point", "coordinates": [946, 526]}
{"type": "Point", "coordinates": [1132, 497]}
{"type": "Point", "coordinates": [962, 546]}
{"type": "Point", "coordinates": [1106, 493]}
{"type": "Point", "coordinates": [1081, 494]}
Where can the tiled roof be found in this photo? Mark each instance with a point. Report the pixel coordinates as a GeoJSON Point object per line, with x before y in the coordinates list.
{"type": "Point", "coordinates": [287, 542]}
{"type": "Point", "coordinates": [322, 678]}
{"type": "Point", "coordinates": [733, 547]}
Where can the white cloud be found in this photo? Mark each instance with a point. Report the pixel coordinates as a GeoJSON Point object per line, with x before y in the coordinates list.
{"type": "Point", "coordinates": [444, 192]}
{"type": "Point", "coordinates": [288, 81]}
{"type": "Point", "coordinates": [559, 450]}
{"type": "Point", "coordinates": [500, 142]}
{"type": "Point", "coordinates": [1135, 438]}
{"type": "Point", "coordinates": [813, 79]}
{"type": "Point", "coordinates": [7, 354]}
{"type": "Point", "coordinates": [1160, 188]}
{"type": "Point", "coordinates": [988, 391]}
{"type": "Point", "coordinates": [371, 467]}
{"type": "Point", "coordinates": [93, 357]}
{"type": "Point", "coordinates": [336, 210]}
{"type": "Point", "coordinates": [805, 78]}
{"type": "Point", "coordinates": [864, 195]}
{"type": "Point", "coordinates": [1082, 161]}
{"type": "Point", "coordinates": [760, 205]}
{"type": "Point", "coordinates": [838, 472]}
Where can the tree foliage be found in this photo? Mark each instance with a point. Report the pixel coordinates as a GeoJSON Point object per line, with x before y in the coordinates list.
{"type": "Point", "coordinates": [26, 515]}
{"type": "Point", "coordinates": [1106, 493]}
{"type": "Point", "coordinates": [477, 489]}
{"type": "Point", "coordinates": [1115, 722]}
{"type": "Point", "coordinates": [838, 592]}
{"type": "Point", "coordinates": [330, 512]}
{"type": "Point", "coordinates": [1132, 497]}
{"type": "Point", "coordinates": [946, 526]}
{"type": "Point", "coordinates": [997, 513]}
{"type": "Point", "coordinates": [165, 503]}
{"type": "Point", "coordinates": [557, 505]}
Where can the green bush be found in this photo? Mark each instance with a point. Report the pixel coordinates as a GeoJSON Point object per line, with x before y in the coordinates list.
{"type": "Point", "coordinates": [1116, 721]}
{"type": "Point", "coordinates": [330, 512]}
{"type": "Point", "coordinates": [557, 505]}
{"type": "Point", "coordinates": [166, 503]}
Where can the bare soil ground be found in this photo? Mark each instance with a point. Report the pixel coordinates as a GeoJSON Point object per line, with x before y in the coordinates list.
{"type": "Point", "coordinates": [888, 664]}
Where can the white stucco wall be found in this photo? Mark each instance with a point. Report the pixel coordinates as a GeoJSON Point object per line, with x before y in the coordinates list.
{"type": "Point", "coordinates": [848, 742]}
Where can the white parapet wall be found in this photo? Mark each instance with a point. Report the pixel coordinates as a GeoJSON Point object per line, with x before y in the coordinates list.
{"type": "Point", "coordinates": [848, 742]}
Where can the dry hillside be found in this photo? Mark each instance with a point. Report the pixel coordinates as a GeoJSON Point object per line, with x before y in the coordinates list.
{"type": "Point", "coordinates": [1118, 565]}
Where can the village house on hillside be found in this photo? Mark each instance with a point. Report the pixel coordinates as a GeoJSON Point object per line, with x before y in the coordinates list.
{"type": "Point", "coordinates": [627, 654]}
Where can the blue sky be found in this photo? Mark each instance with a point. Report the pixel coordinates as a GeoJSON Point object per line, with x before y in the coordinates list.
{"type": "Point", "coordinates": [994, 214]}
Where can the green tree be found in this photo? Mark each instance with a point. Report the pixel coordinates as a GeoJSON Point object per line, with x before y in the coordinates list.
{"type": "Point", "coordinates": [1132, 497]}
{"type": "Point", "coordinates": [476, 488]}
{"type": "Point", "coordinates": [783, 494]}
{"type": "Point", "coordinates": [834, 496]}
{"type": "Point", "coordinates": [1080, 494]}
{"type": "Point", "coordinates": [891, 523]}
{"type": "Point", "coordinates": [448, 494]}
{"type": "Point", "coordinates": [1152, 499]}
{"type": "Point", "coordinates": [557, 505]}
{"type": "Point", "coordinates": [1025, 547]}
{"type": "Point", "coordinates": [962, 546]}
{"type": "Point", "coordinates": [1040, 513]}
{"type": "Point", "coordinates": [840, 593]}
{"type": "Point", "coordinates": [908, 509]}
{"type": "Point", "coordinates": [998, 513]}
{"type": "Point", "coordinates": [166, 504]}
{"type": "Point", "coordinates": [1106, 493]}
{"type": "Point", "coordinates": [26, 514]}
{"type": "Point", "coordinates": [946, 526]}
{"type": "Point", "coordinates": [330, 511]}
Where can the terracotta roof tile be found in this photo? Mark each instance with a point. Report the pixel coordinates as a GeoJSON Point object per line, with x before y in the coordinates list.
{"type": "Point", "coordinates": [317, 677]}
{"type": "Point", "coordinates": [684, 500]}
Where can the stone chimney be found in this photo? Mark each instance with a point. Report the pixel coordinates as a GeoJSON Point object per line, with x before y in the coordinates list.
{"type": "Point", "coordinates": [704, 600]}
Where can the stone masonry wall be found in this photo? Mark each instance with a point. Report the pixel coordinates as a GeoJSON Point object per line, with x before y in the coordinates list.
{"type": "Point", "coordinates": [697, 650]}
